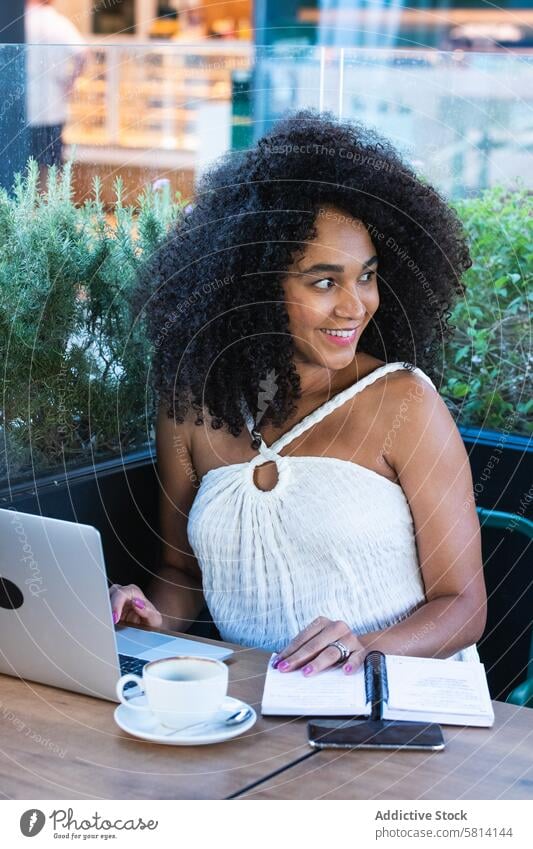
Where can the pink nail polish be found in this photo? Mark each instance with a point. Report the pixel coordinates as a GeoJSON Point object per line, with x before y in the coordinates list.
{"type": "Point", "coordinates": [139, 603]}
{"type": "Point", "coordinates": [115, 617]}
{"type": "Point", "coordinates": [307, 669]}
{"type": "Point", "coordinates": [283, 665]}
{"type": "Point", "coordinates": [348, 667]}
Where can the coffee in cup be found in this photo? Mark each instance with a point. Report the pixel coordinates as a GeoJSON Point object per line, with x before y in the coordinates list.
{"type": "Point", "coordinates": [180, 691]}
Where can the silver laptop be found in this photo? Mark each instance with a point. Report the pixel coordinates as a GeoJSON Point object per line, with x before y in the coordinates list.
{"type": "Point", "coordinates": [56, 623]}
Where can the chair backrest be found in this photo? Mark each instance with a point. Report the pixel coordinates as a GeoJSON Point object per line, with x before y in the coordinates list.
{"type": "Point", "coordinates": [507, 645]}
{"type": "Point", "coordinates": [505, 521]}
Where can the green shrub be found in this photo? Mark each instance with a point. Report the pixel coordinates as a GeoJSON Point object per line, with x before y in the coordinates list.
{"type": "Point", "coordinates": [487, 376]}
{"type": "Point", "coordinates": [75, 366]}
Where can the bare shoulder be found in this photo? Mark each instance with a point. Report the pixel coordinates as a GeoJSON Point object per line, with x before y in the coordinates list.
{"type": "Point", "coordinates": [170, 431]}
{"type": "Point", "coordinates": [417, 417]}
{"type": "Point", "coordinates": [409, 391]}
{"type": "Point", "coordinates": [212, 445]}
{"type": "Point", "coordinates": [406, 385]}
{"type": "Point", "coordinates": [396, 391]}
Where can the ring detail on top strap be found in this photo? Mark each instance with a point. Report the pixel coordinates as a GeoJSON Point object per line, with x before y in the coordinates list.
{"type": "Point", "coordinates": [282, 464]}
{"type": "Point", "coordinates": [265, 454]}
{"type": "Point", "coordinates": [345, 652]}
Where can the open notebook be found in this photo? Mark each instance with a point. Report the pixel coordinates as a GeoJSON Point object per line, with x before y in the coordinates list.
{"type": "Point", "coordinates": [420, 689]}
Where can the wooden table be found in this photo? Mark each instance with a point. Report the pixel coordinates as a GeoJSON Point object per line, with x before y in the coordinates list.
{"type": "Point", "coordinates": [60, 745]}
{"type": "Point", "coordinates": [96, 759]}
{"type": "Point", "coordinates": [477, 763]}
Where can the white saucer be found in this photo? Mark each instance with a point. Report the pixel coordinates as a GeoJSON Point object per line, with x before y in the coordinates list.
{"type": "Point", "coordinates": [146, 726]}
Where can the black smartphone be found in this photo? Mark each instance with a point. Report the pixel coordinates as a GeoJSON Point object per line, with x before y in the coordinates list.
{"type": "Point", "coordinates": [374, 734]}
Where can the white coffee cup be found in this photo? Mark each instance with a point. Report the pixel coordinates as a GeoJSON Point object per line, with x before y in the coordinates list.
{"type": "Point", "coordinates": [180, 691]}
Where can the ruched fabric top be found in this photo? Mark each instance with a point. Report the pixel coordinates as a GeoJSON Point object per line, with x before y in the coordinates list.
{"type": "Point", "coordinates": [332, 538]}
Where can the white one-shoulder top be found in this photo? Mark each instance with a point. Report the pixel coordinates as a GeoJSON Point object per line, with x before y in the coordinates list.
{"type": "Point", "coordinates": [332, 538]}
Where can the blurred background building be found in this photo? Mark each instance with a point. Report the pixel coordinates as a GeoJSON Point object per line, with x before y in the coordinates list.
{"type": "Point", "coordinates": [167, 85]}
{"type": "Point", "coordinates": [474, 24]}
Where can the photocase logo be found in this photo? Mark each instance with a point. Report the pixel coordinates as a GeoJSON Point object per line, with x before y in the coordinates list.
{"type": "Point", "coordinates": [32, 822]}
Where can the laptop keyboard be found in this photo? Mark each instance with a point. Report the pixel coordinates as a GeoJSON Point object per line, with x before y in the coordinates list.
{"type": "Point", "coordinates": [131, 664]}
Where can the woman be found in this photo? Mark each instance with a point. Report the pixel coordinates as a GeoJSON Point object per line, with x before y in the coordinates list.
{"type": "Point", "coordinates": [310, 473]}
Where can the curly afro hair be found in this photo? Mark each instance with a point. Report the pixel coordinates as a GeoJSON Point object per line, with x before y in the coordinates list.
{"type": "Point", "coordinates": [212, 293]}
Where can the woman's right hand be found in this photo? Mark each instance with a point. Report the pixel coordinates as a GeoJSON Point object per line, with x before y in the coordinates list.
{"type": "Point", "coordinates": [129, 604]}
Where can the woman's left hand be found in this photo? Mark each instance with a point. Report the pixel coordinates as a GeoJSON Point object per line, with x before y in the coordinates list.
{"type": "Point", "coordinates": [310, 648]}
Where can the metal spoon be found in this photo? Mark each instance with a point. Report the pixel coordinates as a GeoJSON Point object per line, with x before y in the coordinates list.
{"type": "Point", "coordinates": [236, 718]}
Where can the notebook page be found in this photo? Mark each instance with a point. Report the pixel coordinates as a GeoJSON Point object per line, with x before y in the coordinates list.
{"type": "Point", "coordinates": [433, 685]}
{"type": "Point", "coordinates": [329, 692]}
